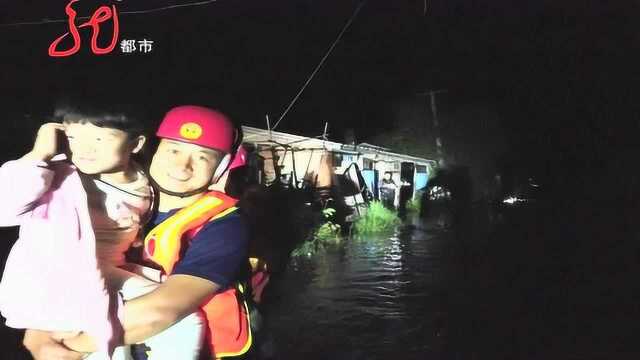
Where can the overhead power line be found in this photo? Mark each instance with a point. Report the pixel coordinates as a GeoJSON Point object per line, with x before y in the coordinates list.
{"type": "Point", "coordinates": [324, 58]}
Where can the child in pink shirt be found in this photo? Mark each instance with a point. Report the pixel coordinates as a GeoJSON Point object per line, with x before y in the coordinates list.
{"type": "Point", "coordinates": [76, 220]}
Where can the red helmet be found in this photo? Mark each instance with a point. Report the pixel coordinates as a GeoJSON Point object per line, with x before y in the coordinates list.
{"type": "Point", "coordinates": [204, 127]}
{"type": "Point", "coordinates": [200, 126]}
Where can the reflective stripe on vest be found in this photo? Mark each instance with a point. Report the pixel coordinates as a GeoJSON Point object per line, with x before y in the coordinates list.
{"type": "Point", "coordinates": [228, 328]}
{"type": "Point", "coordinates": [162, 243]}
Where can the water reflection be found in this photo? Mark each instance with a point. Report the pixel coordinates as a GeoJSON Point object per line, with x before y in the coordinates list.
{"type": "Point", "coordinates": [369, 298]}
{"type": "Point", "coordinates": [482, 290]}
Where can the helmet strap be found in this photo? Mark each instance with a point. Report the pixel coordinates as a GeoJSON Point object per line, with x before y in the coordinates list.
{"type": "Point", "coordinates": [217, 174]}
{"type": "Point", "coordinates": [222, 167]}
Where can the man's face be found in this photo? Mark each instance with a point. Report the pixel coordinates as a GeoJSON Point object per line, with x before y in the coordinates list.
{"type": "Point", "coordinates": [183, 167]}
{"type": "Point", "coordinates": [96, 150]}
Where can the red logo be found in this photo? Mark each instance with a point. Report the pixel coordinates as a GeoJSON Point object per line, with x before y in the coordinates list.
{"type": "Point", "coordinates": [102, 14]}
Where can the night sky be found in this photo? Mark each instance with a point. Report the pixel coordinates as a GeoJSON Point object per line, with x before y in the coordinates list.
{"type": "Point", "coordinates": [562, 75]}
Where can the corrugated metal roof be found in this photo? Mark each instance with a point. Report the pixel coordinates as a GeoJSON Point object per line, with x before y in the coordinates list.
{"type": "Point", "coordinates": [277, 138]}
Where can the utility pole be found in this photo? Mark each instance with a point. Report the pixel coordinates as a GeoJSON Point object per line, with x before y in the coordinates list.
{"type": "Point", "coordinates": [436, 123]}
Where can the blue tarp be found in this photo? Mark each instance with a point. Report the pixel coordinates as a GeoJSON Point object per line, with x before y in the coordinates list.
{"type": "Point", "coordinates": [370, 179]}
{"type": "Point", "coordinates": [421, 181]}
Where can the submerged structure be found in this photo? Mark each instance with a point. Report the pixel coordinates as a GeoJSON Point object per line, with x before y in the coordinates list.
{"type": "Point", "coordinates": [352, 172]}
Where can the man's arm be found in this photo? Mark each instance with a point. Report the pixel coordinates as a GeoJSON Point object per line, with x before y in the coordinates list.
{"type": "Point", "coordinates": [177, 297]}
{"type": "Point", "coordinates": [209, 264]}
{"type": "Point", "coordinates": [150, 314]}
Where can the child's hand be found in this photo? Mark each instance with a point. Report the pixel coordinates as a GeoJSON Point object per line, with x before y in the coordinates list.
{"type": "Point", "coordinates": [43, 347]}
{"type": "Point", "coordinates": [46, 145]}
{"type": "Point", "coordinates": [64, 335]}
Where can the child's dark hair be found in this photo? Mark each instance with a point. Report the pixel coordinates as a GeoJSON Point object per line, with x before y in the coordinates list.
{"type": "Point", "coordinates": [116, 116]}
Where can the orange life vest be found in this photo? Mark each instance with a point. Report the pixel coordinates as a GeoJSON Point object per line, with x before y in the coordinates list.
{"type": "Point", "coordinates": [227, 314]}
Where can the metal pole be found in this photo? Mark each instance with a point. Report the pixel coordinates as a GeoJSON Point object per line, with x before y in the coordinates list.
{"type": "Point", "coordinates": [436, 123]}
{"type": "Point", "coordinates": [269, 126]}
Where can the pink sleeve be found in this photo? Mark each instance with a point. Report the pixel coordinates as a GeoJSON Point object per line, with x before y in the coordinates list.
{"type": "Point", "coordinates": [22, 182]}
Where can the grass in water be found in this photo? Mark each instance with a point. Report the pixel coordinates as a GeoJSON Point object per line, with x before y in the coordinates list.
{"type": "Point", "coordinates": [377, 219]}
{"type": "Point", "coordinates": [414, 205]}
{"type": "Point", "coordinates": [329, 233]}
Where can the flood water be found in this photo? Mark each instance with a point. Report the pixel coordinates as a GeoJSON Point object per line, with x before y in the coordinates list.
{"type": "Point", "coordinates": [372, 297]}
{"type": "Point", "coordinates": [521, 287]}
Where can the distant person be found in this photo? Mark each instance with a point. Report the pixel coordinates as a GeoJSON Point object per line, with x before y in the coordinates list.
{"type": "Point", "coordinates": [388, 189]}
